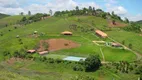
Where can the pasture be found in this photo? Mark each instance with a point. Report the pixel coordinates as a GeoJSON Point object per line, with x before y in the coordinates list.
{"type": "Point", "coordinates": [52, 28]}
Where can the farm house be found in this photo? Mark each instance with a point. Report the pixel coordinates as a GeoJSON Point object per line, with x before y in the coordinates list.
{"type": "Point", "coordinates": [116, 45]}
{"type": "Point", "coordinates": [101, 34]}
{"type": "Point", "coordinates": [66, 33]}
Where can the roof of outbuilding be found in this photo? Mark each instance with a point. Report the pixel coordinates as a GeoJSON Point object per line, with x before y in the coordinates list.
{"type": "Point", "coordinates": [101, 33]}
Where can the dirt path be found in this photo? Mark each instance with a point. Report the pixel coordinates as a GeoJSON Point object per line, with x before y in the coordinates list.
{"type": "Point", "coordinates": [102, 54]}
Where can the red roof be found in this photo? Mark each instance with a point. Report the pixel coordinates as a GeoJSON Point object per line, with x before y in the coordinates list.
{"type": "Point", "coordinates": [102, 34]}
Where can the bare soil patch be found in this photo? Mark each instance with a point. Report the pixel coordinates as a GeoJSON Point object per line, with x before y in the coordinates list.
{"type": "Point", "coordinates": [118, 24]}
{"type": "Point", "coordinates": [57, 44]}
{"type": "Point", "coordinates": [33, 35]}
{"type": "Point", "coordinates": [13, 60]}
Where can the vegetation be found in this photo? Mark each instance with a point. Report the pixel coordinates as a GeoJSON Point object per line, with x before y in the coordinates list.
{"type": "Point", "coordinates": [92, 63]}
{"type": "Point", "coordinates": [3, 15]}
{"type": "Point", "coordinates": [133, 27]}
{"type": "Point", "coordinates": [18, 36]}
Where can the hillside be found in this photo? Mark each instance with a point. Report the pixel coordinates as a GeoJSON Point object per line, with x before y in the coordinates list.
{"type": "Point", "coordinates": [139, 22]}
{"type": "Point", "coordinates": [10, 20]}
{"type": "Point", "coordinates": [3, 15]}
{"type": "Point", "coordinates": [31, 35]}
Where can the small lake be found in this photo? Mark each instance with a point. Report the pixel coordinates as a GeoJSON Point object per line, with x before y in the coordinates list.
{"type": "Point", "coordinates": [72, 58]}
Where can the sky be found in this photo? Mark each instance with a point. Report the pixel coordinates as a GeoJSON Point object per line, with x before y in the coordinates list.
{"type": "Point", "coordinates": [132, 9]}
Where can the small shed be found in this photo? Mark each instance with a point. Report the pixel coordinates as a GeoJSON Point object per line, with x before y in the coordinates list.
{"type": "Point", "coordinates": [66, 33]}
{"type": "Point", "coordinates": [31, 51]}
{"type": "Point", "coordinates": [101, 34]}
{"type": "Point", "coordinates": [116, 45]}
{"type": "Point", "coordinates": [43, 52]}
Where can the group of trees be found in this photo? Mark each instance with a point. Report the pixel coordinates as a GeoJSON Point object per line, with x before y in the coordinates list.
{"type": "Point", "coordinates": [126, 67]}
{"type": "Point", "coordinates": [77, 11]}
{"type": "Point", "coordinates": [133, 27]}
{"type": "Point", "coordinates": [75, 27]}
{"type": "Point", "coordinates": [89, 11]}
{"type": "Point", "coordinates": [92, 63]}
{"type": "Point", "coordinates": [22, 13]}
{"type": "Point", "coordinates": [29, 13]}
{"type": "Point", "coordinates": [33, 18]}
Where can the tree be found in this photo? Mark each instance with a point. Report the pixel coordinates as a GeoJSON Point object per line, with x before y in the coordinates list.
{"type": "Point", "coordinates": [94, 11]}
{"type": "Point", "coordinates": [140, 76]}
{"type": "Point", "coordinates": [90, 9]}
{"type": "Point", "coordinates": [29, 13]}
{"type": "Point", "coordinates": [113, 22]}
{"type": "Point", "coordinates": [130, 46]}
{"type": "Point", "coordinates": [92, 63]}
{"type": "Point", "coordinates": [50, 11]}
{"type": "Point", "coordinates": [23, 19]}
{"type": "Point", "coordinates": [126, 20]}
{"type": "Point", "coordinates": [123, 42]}
{"type": "Point", "coordinates": [6, 25]}
{"type": "Point", "coordinates": [112, 13]}
{"type": "Point", "coordinates": [104, 15]}
{"type": "Point", "coordinates": [22, 13]}
{"type": "Point", "coordinates": [77, 8]}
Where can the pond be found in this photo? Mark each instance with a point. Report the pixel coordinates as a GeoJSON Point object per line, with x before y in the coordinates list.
{"type": "Point", "coordinates": [72, 58]}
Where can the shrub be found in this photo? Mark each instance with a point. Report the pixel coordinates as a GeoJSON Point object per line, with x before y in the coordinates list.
{"type": "Point", "coordinates": [92, 63]}
{"type": "Point", "coordinates": [58, 61]}
{"type": "Point", "coordinates": [66, 44]}
{"type": "Point", "coordinates": [78, 67]}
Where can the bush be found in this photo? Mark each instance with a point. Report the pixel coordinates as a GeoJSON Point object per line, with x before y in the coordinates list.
{"type": "Point", "coordinates": [58, 61]}
{"type": "Point", "coordinates": [78, 67]}
{"type": "Point", "coordinates": [50, 60]}
{"type": "Point", "coordinates": [140, 76]}
{"type": "Point", "coordinates": [92, 63]}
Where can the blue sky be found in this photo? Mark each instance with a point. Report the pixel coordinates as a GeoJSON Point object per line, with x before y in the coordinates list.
{"type": "Point", "coordinates": [125, 8]}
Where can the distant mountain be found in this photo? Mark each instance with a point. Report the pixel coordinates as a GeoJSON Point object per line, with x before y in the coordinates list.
{"type": "Point", "coordinates": [140, 22]}
{"type": "Point", "coordinates": [3, 15]}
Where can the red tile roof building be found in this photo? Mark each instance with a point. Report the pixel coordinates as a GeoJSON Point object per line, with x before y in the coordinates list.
{"type": "Point", "coordinates": [101, 34]}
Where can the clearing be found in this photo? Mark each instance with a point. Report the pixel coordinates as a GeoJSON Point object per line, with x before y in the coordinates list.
{"type": "Point", "coordinates": [57, 44]}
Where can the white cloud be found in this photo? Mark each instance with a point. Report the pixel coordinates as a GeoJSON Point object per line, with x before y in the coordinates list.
{"type": "Point", "coordinates": [9, 4]}
{"type": "Point", "coordinates": [134, 17]}
{"type": "Point", "coordinates": [117, 9]}
{"type": "Point", "coordinates": [111, 1]}
{"type": "Point", "coordinates": [14, 7]}
{"type": "Point", "coordinates": [55, 5]}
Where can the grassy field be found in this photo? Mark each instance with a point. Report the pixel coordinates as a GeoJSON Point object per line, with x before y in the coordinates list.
{"type": "Point", "coordinates": [10, 20]}
{"type": "Point", "coordinates": [30, 70]}
{"type": "Point", "coordinates": [52, 27]}
{"type": "Point", "coordinates": [129, 38]}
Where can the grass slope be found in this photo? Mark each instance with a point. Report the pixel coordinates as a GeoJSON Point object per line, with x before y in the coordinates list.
{"type": "Point", "coordinates": [52, 28]}
{"type": "Point", "coordinates": [129, 37]}
{"type": "Point", "coordinates": [3, 15]}
{"type": "Point", "coordinates": [10, 20]}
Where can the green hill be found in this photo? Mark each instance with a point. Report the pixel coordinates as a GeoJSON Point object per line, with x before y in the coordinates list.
{"type": "Point", "coordinates": [51, 28]}
{"type": "Point", "coordinates": [3, 15]}
{"type": "Point", "coordinates": [10, 20]}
